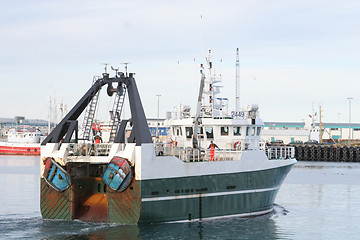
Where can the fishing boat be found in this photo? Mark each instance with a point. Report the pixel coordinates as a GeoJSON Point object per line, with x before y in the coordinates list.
{"type": "Point", "coordinates": [22, 141]}
{"type": "Point", "coordinates": [131, 180]}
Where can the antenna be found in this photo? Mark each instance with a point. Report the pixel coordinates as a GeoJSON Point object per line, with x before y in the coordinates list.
{"type": "Point", "coordinates": [126, 67]}
{"type": "Point", "coordinates": [237, 82]}
{"type": "Point", "coordinates": [115, 69]}
{"type": "Point", "coordinates": [105, 66]}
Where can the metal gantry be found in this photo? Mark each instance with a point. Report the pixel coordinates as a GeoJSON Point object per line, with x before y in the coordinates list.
{"type": "Point", "coordinates": [67, 130]}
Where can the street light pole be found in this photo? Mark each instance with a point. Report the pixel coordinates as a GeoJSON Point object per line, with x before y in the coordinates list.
{"type": "Point", "coordinates": [157, 124]}
{"type": "Point", "coordinates": [349, 98]}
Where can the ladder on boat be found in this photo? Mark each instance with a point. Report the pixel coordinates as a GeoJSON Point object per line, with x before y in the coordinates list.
{"type": "Point", "coordinates": [90, 114]}
{"type": "Point", "coordinates": [116, 111]}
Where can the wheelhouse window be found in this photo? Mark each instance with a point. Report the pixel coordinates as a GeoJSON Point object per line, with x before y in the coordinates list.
{"type": "Point", "coordinates": [258, 131]}
{"type": "Point", "coordinates": [189, 132]}
{"type": "Point", "coordinates": [224, 131]}
{"type": "Point", "coordinates": [200, 132]}
{"type": "Point", "coordinates": [209, 132]}
{"type": "Point", "coordinates": [237, 131]}
{"type": "Point", "coordinates": [253, 131]}
{"type": "Point", "coordinates": [247, 131]}
{"type": "Point", "coordinates": [178, 131]}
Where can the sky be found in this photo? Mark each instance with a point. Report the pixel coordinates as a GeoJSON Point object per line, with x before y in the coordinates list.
{"type": "Point", "coordinates": [294, 55]}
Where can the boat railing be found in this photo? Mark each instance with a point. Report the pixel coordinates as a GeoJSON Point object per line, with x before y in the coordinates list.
{"type": "Point", "coordinates": [249, 144]}
{"type": "Point", "coordinates": [188, 154]}
{"type": "Point", "coordinates": [205, 155]}
{"type": "Point", "coordinates": [185, 154]}
{"type": "Point", "coordinates": [279, 152]}
{"type": "Point", "coordinates": [89, 149]}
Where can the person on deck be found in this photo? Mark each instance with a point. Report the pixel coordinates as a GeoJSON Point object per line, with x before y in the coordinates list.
{"type": "Point", "coordinates": [212, 147]}
{"type": "Point", "coordinates": [98, 139]}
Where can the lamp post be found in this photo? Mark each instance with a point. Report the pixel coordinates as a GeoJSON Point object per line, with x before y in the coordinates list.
{"type": "Point", "coordinates": [349, 98]}
{"type": "Point", "coordinates": [157, 124]}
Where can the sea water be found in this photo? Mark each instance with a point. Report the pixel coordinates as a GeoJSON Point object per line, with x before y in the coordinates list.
{"type": "Point", "coordinates": [317, 201]}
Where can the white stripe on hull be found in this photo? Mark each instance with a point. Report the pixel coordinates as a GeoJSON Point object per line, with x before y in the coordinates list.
{"type": "Point", "coordinates": [251, 214]}
{"type": "Point", "coordinates": [208, 194]}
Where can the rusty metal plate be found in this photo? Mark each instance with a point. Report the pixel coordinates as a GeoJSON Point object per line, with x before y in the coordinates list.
{"type": "Point", "coordinates": [124, 207]}
{"type": "Point", "coordinates": [54, 204]}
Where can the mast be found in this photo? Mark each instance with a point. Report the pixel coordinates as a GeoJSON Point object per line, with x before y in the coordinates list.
{"type": "Point", "coordinates": [55, 112]}
{"type": "Point", "coordinates": [49, 120]}
{"type": "Point", "coordinates": [208, 93]}
{"type": "Point", "coordinates": [237, 82]}
{"type": "Point", "coordinates": [209, 105]}
{"type": "Point", "coordinates": [320, 123]}
{"type": "Point", "coordinates": [197, 121]}
{"type": "Point", "coordinates": [212, 97]}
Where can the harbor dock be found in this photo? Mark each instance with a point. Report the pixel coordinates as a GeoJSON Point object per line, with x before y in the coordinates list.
{"type": "Point", "coordinates": [327, 153]}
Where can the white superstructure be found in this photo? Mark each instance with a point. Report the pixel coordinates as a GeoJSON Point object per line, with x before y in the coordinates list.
{"type": "Point", "coordinates": [24, 135]}
{"type": "Point", "coordinates": [238, 130]}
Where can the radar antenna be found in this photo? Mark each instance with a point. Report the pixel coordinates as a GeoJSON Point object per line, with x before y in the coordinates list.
{"type": "Point", "coordinates": [126, 67]}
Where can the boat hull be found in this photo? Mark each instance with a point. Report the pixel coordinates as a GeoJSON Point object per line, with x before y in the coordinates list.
{"type": "Point", "coordinates": [187, 198]}
{"type": "Point", "coordinates": [240, 194]}
{"type": "Point", "coordinates": [19, 148]}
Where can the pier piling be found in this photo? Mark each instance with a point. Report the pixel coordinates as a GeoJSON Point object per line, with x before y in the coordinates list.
{"type": "Point", "coordinates": [327, 153]}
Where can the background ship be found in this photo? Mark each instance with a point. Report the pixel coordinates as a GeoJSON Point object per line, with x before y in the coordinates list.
{"type": "Point", "coordinates": [22, 141]}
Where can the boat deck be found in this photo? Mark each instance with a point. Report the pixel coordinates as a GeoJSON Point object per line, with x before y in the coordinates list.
{"type": "Point", "coordinates": [86, 152]}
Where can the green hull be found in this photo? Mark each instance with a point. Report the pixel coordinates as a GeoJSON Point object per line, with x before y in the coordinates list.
{"type": "Point", "coordinates": [187, 198]}
{"type": "Point", "coordinates": [165, 200]}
